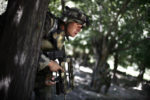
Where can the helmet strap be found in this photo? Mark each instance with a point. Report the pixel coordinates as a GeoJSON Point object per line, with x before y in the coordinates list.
{"type": "Point", "coordinates": [66, 32]}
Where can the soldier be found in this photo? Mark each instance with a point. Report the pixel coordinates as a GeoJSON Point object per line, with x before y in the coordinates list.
{"type": "Point", "coordinates": [55, 32]}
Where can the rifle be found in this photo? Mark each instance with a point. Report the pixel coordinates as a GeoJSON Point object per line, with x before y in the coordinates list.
{"type": "Point", "coordinates": [64, 80]}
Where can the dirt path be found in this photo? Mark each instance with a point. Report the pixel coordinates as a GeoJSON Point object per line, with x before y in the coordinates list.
{"type": "Point", "coordinates": [82, 91]}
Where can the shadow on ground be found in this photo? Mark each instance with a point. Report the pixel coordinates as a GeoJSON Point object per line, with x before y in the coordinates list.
{"type": "Point", "coordinates": [126, 90]}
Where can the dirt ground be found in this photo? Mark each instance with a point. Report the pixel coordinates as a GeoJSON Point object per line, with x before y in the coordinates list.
{"type": "Point", "coordinates": [82, 90]}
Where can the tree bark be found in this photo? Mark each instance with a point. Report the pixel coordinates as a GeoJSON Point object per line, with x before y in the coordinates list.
{"type": "Point", "coordinates": [101, 52]}
{"type": "Point", "coordinates": [115, 67]}
{"type": "Point", "coordinates": [63, 3]}
{"type": "Point", "coordinates": [20, 45]}
{"type": "Point", "coordinates": [95, 72]}
{"type": "Point", "coordinates": [141, 73]}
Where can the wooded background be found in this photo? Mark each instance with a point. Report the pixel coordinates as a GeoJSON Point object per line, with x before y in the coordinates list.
{"type": "Point", "coordinates": [118, 30]}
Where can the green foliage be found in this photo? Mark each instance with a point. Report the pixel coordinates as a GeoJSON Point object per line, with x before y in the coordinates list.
{"type": "Point", "coordinates": [141, 54]}
{"type": "Point", "coordinates": [55, 7]}
{"type": "Point", "coordinates": [124, 22]}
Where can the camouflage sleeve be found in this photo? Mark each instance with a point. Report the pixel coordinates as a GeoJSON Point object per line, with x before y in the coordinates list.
{"type": "Point", "coordinates": [40, 78]}
{"type": "Point", "coordinates": [46, 45]}
{"type": "Point", "coordinates": [43, 62]}
{"type": "Point", "coordinates": [42, 71]}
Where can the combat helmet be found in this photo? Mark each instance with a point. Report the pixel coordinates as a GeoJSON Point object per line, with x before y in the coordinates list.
{"type": "Point", "coordinates": [75, 15]}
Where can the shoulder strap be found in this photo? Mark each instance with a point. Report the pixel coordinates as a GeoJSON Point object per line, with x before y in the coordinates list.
{"type": "Point", "coordinates": [51, 24]}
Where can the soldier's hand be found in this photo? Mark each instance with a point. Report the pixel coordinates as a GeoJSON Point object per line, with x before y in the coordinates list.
{"type": "Point", "coordinates": [48, 82]}
{"type": "Point", "coordinates": [54, 66]}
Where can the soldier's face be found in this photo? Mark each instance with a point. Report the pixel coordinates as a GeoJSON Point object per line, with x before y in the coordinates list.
{"type": "Point", "coordinates": [73, 28]}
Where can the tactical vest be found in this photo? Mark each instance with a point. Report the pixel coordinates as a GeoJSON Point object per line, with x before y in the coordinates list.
{"type": "Point", "coordinates": [52, 47]}
{"type": "Point", "coordinates": [52, 44]}
{"type": "Point", "coordinates": [54, 37]}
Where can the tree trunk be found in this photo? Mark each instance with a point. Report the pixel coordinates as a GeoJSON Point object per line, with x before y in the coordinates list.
{"type": "Point", "coordinates": [141, 73]}
{"type": "Point", "coordinates": [20, 45]}
{"type": "Point", "coordinates": [63, 2]}
{"type": "Point", "coordinates": [95, 72]}
{"type": "Point", "coordinates": [102, 54]}
{"type": "Point", "coordinates": [115, 67]}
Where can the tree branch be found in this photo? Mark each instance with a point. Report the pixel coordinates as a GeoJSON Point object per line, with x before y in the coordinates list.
{"type": "Point", "coordinates": [114, 23]}
{"type": "Point", "coordinates": [63, 5]}
{"type": "Point", "coordinates": [135, 44]}
{"type": "Point", "coordinates": [137, 20]}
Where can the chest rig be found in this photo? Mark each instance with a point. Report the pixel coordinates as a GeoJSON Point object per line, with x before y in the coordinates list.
{"type": "Point", "coordinates": [53, 47]}
{"type": "Point", "coordinates": [54, 37]}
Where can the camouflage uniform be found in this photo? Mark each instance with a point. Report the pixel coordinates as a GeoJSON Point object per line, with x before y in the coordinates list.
{"type": "Point", "coordinates": [53, 40]}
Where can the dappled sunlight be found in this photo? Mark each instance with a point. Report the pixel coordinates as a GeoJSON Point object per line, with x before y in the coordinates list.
{"type": "Point", "coordinates": [5, 83]}
{"type": "Point", "coordinates": [130, 70]}
{"type": "Point", "coordinates": [115, 89]}
{"type": "Point", "coordinates": [82, 82]}
{"type": "Point", "coordinates": [109, 50]}
{"type": "Point", "coordinates": [18, 15]}
{"type": "Point", "coordinates": [147, 74]}
{"type": "Point", "coordinates": [80, 77]}
{"type": "Point", "coordinates": [138, 87]}
{"type": "Point", "coordinates": [125, 93]}
{"type": "Point", "coordinates": [86, 69]}
{"type": "Point", "coordinates": [3, 5]}
{"type": "Point", "coordinates": [37, 4]}
{"type": "Point", "coordinates": [119, 76]}
{"type": "Point", "coordinates": [70, 4]}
